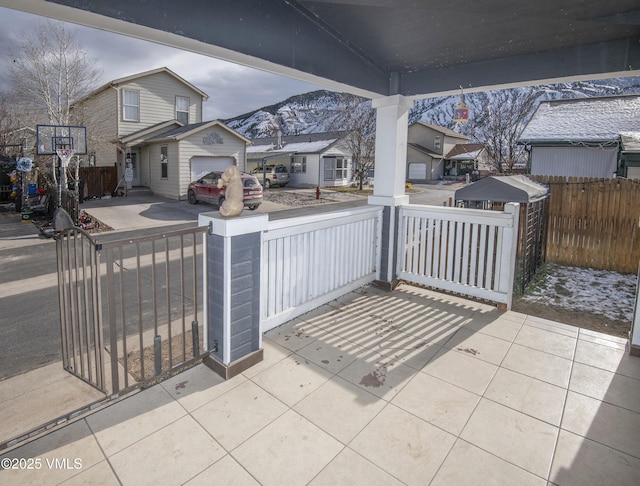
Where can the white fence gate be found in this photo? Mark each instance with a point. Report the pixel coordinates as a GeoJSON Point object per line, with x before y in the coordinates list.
{"type": "Point", "coordinates": [468, 251]}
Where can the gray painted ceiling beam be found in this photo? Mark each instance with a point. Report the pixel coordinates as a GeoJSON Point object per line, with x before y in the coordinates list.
{"type": "Point", "coordinates": [385, 47]}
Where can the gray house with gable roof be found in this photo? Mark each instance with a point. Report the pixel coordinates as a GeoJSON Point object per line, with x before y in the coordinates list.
{"type": "Point", "coordinates": [314, 159]}
{"type": "Point", "coordinates": [583, 137]}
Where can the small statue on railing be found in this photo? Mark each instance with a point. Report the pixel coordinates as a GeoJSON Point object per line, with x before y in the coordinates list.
{"type": "Point", "coordinates": [233, 203]}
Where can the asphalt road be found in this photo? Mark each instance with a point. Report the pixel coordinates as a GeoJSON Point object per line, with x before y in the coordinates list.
{"type": "Point", "coordinates": [29, 312]}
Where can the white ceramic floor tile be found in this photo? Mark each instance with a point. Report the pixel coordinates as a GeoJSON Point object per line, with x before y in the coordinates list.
{"type": "Point", "coordinates": [435, 325]}
{"type": "Point", "coordinates": [238, 414]}
{"type": "Point", "coordinates": [331, 352]}
{"type": "Point", "coordinates": [538, 364]}
{"type": "Point", "coordinates": [512, 436]}
{"type": "Point", "coordinates": [295, 335]}
{"type": "Point", "coordinates": [290, 450]}
{"type": "Point", "coordinates": [557, 327]}
{"type": "Point", "coordinates": [351, 469]}
{"type": "Point", "coordinates": [381, 375]}
{"type": "Point", "coordinates": [403, 445]}
{"type": "Point", "coordinates": [371, 331]}
{"type": "Point", "coordinates": [582, 462]}
{"type": "Point", "coordinates": [292, 379]}
{"type": "Point", "coordinates": [608, 424]}
{"type": "Point", "coordinates": [198, 386]}
{"type": "Point", "coordinates": [606, 386]}
{"type": "Point", "coordinates": [172, 455]}
{"type": "Point", "coordinates": [462, 370]}
{"type": "Point", "coordinates": [497, 324]}
{"type": "Point", "coordinates": [608, 358]}
{"type": "Point", "coordinates": [533, 397]}
{"type": "Point", "coordinates": [273, 353]}
{"type": "Point", "coordinates": [410, 351]}
{"type": "Point", "coordinates": [437, 402]}
{"type": "Point", "coordinates": [98, 475]}
{"type": "Point", "coordinates": [225, 472]}
{"type": "Point", "coordinates": [134, 418]}
{"type": "Point", "coordinates": [605, 339]}
{"type": "Point", "coordinates": [467, 465]}
{"type": "Point", "coordinates": [72, 445]}
{"type": "Point", "coordinates": [62, 397]}
{"type": "Point", "coordinates": [547, 341]}
{"type": "Point", "coordinates": [482, 346]}
{"type": "Point", "coordinates": [340, 408]}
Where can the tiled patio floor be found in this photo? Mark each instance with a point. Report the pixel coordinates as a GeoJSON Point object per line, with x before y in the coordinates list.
{"type": "Point", "coordinates": [408, 387]}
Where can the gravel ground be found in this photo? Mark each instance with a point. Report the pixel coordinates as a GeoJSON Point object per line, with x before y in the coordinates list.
{"type": "Point", "coordinates": [293, 199]}
{"type": "Point", "coordinates": [307, 197]}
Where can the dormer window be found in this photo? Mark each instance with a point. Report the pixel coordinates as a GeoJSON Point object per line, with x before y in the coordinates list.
{"type": "Point", "coordinates": [182, 109]}
{"type": "Point", "coordinates": [130, 105]}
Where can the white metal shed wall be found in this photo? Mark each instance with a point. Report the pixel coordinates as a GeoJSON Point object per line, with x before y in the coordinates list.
{"type": "Point", "coordinates": [574, 161]}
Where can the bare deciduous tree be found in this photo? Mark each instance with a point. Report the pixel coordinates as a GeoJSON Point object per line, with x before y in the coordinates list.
{"type": "Point", "coordinates": [358, 120]}
{"type": "Point", "coordinates": [499, 123]}
{"type": "Point", "coordinates": [11, 137]}
{"type": "Point", "coordinates": [49, 71]}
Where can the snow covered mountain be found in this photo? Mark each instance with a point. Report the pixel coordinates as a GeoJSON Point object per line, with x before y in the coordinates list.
{"type": "Point", "coordinates": [319, 111]}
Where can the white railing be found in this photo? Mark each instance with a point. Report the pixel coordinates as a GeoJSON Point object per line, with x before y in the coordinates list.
{"type": "Point", "coordinates": [467, 251]}
{"type": "Point", "coordinates": [311, 260]}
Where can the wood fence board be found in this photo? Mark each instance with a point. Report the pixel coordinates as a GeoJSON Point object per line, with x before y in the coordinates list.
{"type": "Point", "coordinates": [99, 181]}
{"type": "Point", "coordinates": [593, 222]}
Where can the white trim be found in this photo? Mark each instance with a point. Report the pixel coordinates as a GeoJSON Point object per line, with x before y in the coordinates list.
{"type": "Point", "coordinates": [226, 299]}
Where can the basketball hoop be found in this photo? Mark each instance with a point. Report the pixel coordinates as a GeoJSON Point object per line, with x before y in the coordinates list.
{"type": "Point", "coordinates": [65, 155]}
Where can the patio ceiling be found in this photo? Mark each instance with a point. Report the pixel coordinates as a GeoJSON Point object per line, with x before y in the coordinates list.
{"type": "Point", "coordinates": [383, 47]}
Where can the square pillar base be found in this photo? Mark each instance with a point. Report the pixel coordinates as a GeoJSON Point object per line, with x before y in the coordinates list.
{"type": "Point", "coordinates": [236, 367]}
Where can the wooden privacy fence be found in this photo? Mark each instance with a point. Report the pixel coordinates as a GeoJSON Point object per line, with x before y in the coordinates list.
{"type": "Point", "coordinates": [98, 181]}
{"type": "Point", "coordinates": [593, 223]}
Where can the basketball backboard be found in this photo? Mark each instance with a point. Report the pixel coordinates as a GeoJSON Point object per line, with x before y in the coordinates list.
{"type": "Point", "coordinates": [50, 138]}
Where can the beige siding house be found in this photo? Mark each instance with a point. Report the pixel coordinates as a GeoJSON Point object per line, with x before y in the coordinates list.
{"type": "Point", "coordinates": [151, 123]}
{"type": "Point", "coordinates": [427, 147]}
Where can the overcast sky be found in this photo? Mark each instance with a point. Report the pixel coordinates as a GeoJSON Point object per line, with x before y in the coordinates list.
{"type": "Point", "coordinates": [233, 90]}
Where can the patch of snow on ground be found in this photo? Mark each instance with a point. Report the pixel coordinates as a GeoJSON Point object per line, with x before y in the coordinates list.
{"type": "Point", "coordinates": [609, 294]}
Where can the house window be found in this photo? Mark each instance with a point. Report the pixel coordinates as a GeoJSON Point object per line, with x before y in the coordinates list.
{"type": "Point", "coordinates": [329, 167]}
{"type": "Point", "coordinates": [299, 165]}
{"type": "Point", "coordinates": [182, 109]}
{"type": "Point", "coordinates": [341, 168]}
{"type": "Point", "coordinates": [164, 162]}
{"type": "Point", "coordinates": [436, 142]}
{"type": "Point", "coordinates": [130, 105]}
{"type": "Point", "coordinates": [335, 168]}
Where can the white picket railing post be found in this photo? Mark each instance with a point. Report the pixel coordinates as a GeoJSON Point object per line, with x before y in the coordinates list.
{"type": "Point", "coordinates": [508, 254]}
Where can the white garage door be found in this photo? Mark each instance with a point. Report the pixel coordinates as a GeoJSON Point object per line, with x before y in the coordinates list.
{"type": "Point", "coordinates": [417, 171]}
{"type": "Point", "coordinates": [633, 172]}
{"type": "Point", "coordinates": [203, 165]}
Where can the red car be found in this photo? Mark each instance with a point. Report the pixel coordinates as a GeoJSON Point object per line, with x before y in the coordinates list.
{"type": "Point", "coordinates": [206, 189]}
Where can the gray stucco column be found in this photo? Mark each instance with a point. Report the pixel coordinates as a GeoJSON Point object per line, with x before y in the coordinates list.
{"type": "Point", "coordinates": [392, 120]}
{"type": "Point", "coordinates": [232, 272]}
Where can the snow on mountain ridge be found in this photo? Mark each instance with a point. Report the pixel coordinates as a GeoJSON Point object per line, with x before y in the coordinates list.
{"type": "Point", "coordinates": [318, 111]}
